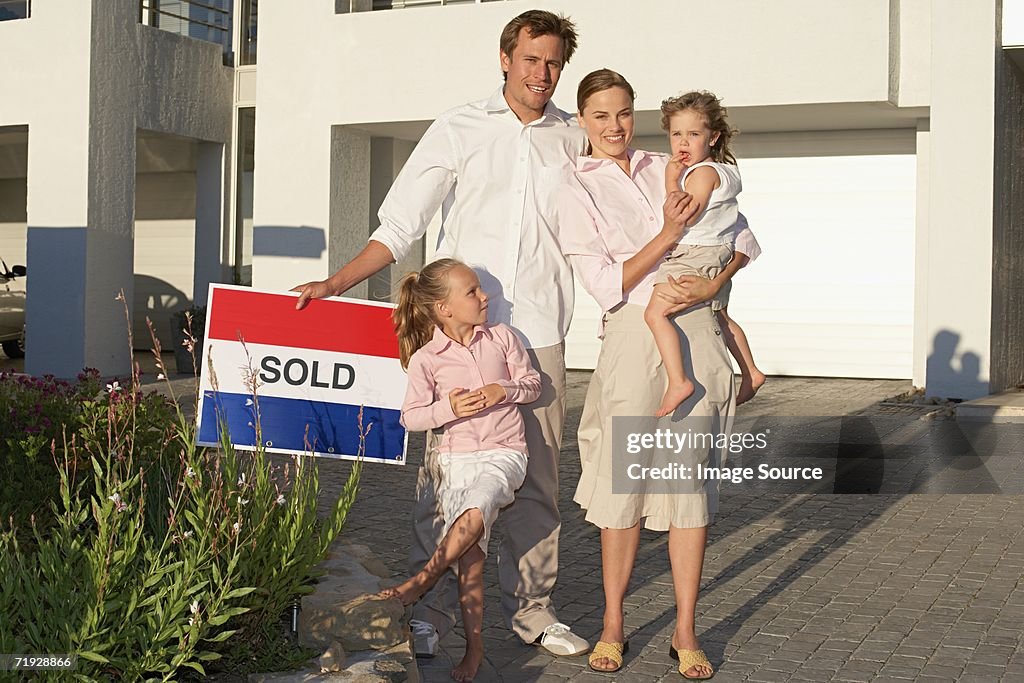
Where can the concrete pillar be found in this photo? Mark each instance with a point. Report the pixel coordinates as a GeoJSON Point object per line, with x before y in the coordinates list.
{"type": "Point", "coordinates": [922, 337]}
{"type": "Point", "coordinates": [349, 200]}
{"type": "Point", "coordinates": [210, 259]}
{"type": "Point", "coordinates": [1008, 227]}
{"type": "Point", "coordinates": [83, 252]}
{"type": "Point", "coordinates": [960, 198]}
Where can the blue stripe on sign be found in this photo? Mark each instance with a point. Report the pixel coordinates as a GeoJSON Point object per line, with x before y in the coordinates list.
{"type": "Point", "coordinates": [333, 427]}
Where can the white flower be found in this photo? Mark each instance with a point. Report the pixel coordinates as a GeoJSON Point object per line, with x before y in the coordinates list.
{"type": "Point", "coordinates": [241, 479]}
{"type": "Point", "coordinates": [243, 501]}
{"type": "Point", "coordinates": [188, 534]}
{"type": "Point", "coordinates": [189, 472]}
{"type": "Point", "coordinates": [191, 621]}
{"type": "Point", "coordinates": [114, 387]}
{"type": "Point", "coordinates": [119, 504]}
{"type": "Point", "coordinates": [194, 607]}
{"type": "Point", "coordinates": [248, 402]}
{"type": "Point", "coordinates": [161, 376]}
{"type": "Point", "coordinates": [237, 526]}
{"type": "Point", "coordinates": [280, 499]}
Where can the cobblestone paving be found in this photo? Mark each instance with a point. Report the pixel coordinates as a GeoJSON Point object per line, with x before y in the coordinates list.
{"type": "Point", "coordinates": [895, 586]}
{"type": "Point", "coordinates": [921, 582]}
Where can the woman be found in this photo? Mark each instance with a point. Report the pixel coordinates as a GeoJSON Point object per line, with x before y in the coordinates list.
{"type": "Point", "coordinates": [612, 232]}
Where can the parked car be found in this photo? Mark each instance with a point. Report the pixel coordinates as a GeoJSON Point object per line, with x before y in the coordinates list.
{"type": "Point", "coordinates": [12, 310]}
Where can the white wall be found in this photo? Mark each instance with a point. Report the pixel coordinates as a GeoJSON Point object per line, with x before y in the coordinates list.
{"type": "Point", "coordinates": [958, 282]}
{"type": "Point", "coordinates": [1013, 23]}
{"type": "Point", "coordinates": [165, 224]}
{"type": "Point", "coordinates": [83, 104]}
{"type": "Point", "coordinates": [410, 65]}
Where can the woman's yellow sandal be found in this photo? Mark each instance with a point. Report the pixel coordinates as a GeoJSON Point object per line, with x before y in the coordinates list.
{"type": "Point", "coordinates": [611, 651]}
{"type": "Point", "coordinates": [689, 659]}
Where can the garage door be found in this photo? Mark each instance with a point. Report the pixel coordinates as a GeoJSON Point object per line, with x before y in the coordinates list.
{"type": "Point", "coordinates": [833, 293]}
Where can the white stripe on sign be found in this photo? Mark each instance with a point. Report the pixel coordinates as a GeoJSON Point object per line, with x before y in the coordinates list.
{"type": "Point", "coordinates": [287, 372]}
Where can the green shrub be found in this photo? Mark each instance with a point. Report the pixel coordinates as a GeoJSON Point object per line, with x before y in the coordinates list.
{"type": "Point", "coordinates": [155, 555]}
{"type": "Point", "coordinates": [37, 415]}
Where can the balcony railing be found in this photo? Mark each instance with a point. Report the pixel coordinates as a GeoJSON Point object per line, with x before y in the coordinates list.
{"type": "Point", "coordinates": [15, 9]}
{"type": "Point", "coordinates": [400, 4]}
{"type": "Point", "coordinates": [346, 6]}
{"type": "Point", "coordinates": [208, 20]}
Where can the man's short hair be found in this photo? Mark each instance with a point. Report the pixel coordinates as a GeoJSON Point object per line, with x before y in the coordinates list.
{"type": "Point", "coordinates": [538, 22]}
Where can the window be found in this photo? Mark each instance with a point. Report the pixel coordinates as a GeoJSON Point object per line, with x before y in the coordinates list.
{"type": "Point", "coordinates": [248, 37]}
{"type": "Point", "coordinates": [15, 9]}
{"type": "Point", "coordinates": [208, 20]}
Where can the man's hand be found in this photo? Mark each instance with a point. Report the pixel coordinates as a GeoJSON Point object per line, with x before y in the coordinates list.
{"type": "Point", "coordinates": [370, 260]}
{"type": "Point", "coordinates": [318, 289]}
{"type": "Point", "coordinates": [686, 291]}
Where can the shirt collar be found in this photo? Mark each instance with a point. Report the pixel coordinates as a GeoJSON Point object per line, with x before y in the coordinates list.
{"type": "Point", "coordinates": [440, 342]}
{"type": "Point", "coordinates": [497, 104]}
{"type": "Point", "coordinates": [638, 158]}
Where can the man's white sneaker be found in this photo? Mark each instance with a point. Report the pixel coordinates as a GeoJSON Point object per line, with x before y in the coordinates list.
{"type": "Point", "coordinates": [559, 640]}
{"type": "Point", "coordinates": [425, 638]}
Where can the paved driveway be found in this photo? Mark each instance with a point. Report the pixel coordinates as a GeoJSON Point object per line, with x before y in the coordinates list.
{"type": "Point", "coordinates": [898, 585]}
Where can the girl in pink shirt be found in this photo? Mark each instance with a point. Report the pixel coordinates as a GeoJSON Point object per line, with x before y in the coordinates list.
{"type": "Point", "coordinates": [464, 376]}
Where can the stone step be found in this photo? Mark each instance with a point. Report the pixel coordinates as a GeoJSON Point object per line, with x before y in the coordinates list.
{"type": "Point", "coordinates": [363, 639]}
{"type": "Point", "coordinates": [1004, 407]}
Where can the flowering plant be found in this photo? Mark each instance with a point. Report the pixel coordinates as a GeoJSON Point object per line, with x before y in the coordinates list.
{"type": "Point", "coordinates": [155, 554]}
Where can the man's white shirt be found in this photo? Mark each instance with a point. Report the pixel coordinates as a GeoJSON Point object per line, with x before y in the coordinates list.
{"type": "Point", "coordinates": [501, 218]}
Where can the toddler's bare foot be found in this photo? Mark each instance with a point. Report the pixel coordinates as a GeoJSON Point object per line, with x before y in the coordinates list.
{"type": "Point", "coordinates": [469, 665]}
{"type": "Point", "coordinates": [408, 592]}
{"type": "Point", "coordinates": [749, 386]}
{"type": "Point", "coordinates": [674, 395]}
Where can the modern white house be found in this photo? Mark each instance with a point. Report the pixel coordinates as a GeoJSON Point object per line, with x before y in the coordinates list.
{"type": "Point", "coordinates": [150, 147]}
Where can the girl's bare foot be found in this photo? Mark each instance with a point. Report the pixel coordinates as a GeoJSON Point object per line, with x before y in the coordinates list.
{"type": "Point", "coordinates": [408, 592]}
{"type": "Point", "coordinates": [470, 664]}
{"type": "Point", "coordinates": [674, 395]}
{"type": "Point", "coordinates": [749, 386]}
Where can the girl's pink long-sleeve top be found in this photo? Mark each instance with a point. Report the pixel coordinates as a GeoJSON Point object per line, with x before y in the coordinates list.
{"type": "Point", "coordinates": [494, 356]}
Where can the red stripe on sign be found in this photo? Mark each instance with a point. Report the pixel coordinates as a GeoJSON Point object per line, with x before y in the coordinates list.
{"type": "Point", "coordinates": [324, 325]}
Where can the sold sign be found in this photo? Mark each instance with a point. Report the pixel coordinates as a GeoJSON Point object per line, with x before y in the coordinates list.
{"type": "Point", "coordinates": [313, 372]}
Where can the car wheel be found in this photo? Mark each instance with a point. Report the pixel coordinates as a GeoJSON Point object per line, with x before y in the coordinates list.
{"type": "Point", "coordinates": [14, 348]}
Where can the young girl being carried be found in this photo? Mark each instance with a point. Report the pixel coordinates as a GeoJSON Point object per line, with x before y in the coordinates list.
{"type": "Point", "coordinates": [703, 165]}
{"type": "Point", "coordinates": [466, 376]}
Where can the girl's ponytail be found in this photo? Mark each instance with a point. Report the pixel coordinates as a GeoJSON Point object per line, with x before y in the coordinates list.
{"type": "Point", "coordinates": [414, 314]}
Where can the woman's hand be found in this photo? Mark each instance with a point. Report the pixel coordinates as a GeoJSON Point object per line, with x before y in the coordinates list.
{"type": "Point", "coordinates": [679, 207]}
{"type": "Point", "coordinates": [687, 291]}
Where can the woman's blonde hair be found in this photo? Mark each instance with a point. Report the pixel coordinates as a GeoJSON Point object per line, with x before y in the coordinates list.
{"type": "Point", "coordinates": [414, 315]}
{"type": "Point", "coordinates": [710, 107]}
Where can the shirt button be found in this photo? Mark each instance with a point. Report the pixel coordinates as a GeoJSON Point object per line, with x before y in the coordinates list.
{"type": "Point", "coordinates": [650, 218]}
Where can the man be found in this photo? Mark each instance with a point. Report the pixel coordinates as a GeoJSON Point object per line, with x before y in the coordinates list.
{"type": "Point", "coordinates": [502, 159]}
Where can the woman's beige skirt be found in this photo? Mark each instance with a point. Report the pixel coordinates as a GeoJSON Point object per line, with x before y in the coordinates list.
{"type": "Point", "coordinates": [629, 382]}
